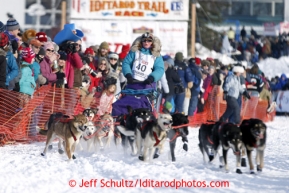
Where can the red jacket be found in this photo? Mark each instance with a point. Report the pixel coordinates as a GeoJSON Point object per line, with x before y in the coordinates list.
{"type": "Point", "coordinates": [73, 61]}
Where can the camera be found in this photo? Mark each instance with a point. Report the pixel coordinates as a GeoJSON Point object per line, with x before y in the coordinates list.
{"type": "Point", "coordinates": [98, 89]}
{"type": "Point", "coordinates": [85, 62]}
{"type": "Point", "coordinates": [90, 70]}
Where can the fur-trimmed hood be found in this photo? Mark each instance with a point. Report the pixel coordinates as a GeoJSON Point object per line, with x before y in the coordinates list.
{"type": "Point", "coordinates": [156, 51]}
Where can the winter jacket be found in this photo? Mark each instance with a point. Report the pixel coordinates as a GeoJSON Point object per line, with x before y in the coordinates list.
{"type": "Point", "coordinates": [3, 66]}
{"type": "Point", "coordinates": [105, 105]}
{"type": "Point", "coordinates": [233, 86]}
{"type": "Point", "coordinates": [164, 84]}
{"type": "Point", "coordinates": [196, 79]}
{"type": "Point", "coordinates": [158, 67]}
{"type": "Point", "coordinates": [254, 83]}
{"type": "Point", "coordinates": [73, 61]}
{"type": "Point", "coordinates": [46, 70]}
{"type": "Point", "coordinates": [184, 72]}
{"type": "Point", "coordinates": [12, 67]}
{"type": "Point", "coordinates": [116, 72]}
{"type": "Point", "coordinates": [172, 79]}
{"type": "Point", "coordinates": [27, 83]}
{"type": "Point", "coordinates": [35, 67]}
{"type": "Point", "coordinates": [281, 83]}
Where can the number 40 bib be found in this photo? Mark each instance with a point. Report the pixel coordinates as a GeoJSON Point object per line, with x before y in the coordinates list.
{"type": "Point", "coordinates": [142, 66]}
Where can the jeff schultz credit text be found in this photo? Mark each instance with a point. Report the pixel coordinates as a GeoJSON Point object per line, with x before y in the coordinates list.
{"type": "Point", "coordinates": [147, 183]}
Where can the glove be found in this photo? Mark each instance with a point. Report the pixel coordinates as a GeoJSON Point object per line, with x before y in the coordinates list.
{"type": "Point", "coordinates": [225, 95]}
{"type": "Point", "coordinates": [60, 75]}
{"type": "Point", "coordinates": [246, 94]}
{"type": "Point", "coordinates": [129, 78]}
{"type": "Point", "coordinates": [149, 80]}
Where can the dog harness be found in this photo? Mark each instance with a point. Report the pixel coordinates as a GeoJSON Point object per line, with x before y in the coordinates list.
{"type": "Point", "coordinates": [156, 138]}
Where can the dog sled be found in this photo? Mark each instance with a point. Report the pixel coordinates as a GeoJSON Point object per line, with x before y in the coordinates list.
{"type": "Point", "coordinates": [137, 95]}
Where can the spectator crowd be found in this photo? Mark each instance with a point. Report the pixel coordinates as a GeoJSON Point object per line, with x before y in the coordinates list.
{"type": "Point", "coordinates": [31, 59]}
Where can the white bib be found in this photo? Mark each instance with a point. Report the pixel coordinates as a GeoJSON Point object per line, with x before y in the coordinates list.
{"type": "Point", "coordinates": [142, 66]}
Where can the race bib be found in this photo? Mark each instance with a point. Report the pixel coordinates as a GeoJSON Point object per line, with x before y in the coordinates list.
{"type": "Point", "coordinates": [142, 66]}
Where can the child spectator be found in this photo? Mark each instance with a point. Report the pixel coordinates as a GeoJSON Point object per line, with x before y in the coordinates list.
{"type": "Point", "coordinates": [27, 81]}
{"type": "Point", "coordinates": [107, 97]}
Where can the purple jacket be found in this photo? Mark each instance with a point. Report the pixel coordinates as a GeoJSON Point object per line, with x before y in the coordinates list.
{"type": "Point", "coordinates": [46, 70]}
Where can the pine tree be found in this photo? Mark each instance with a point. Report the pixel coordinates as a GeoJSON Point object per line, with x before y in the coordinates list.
{"type": "Point", "coordinates": [210, 12]}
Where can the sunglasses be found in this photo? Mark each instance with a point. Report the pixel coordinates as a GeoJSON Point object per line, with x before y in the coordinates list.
{"type": "Point", "coordinates": [49, 50]}
{"type": "Point", "coordinates": [113, 59]}
{"type": "Point", "coordinates": [147, 40]}
{"type": "Point", "coordinates": [102, 64]}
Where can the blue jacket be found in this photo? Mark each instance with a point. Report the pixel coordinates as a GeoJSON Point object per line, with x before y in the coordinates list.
{"type": "Point", "coordinates": [281, 83]}
{"type": "Point", "coordinates": [35, 67]}
{"type": "Point", "coordinates": [12, 69]}
{"type": "Point", "coordinates": [196, 79]}
{"type": "Point", "coordinates": [233, 86]}
{"type": "Point", "coordinates": [184, 72]}
{"type": "Point", "coordinates": [158, 69]}
{"type": "Point", "coordinates": [27, 83]}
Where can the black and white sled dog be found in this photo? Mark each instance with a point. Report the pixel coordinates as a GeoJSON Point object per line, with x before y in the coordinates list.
{"type": "Point", "coordinates": [153, 135]}
{"type": "Point", "coordinates": [90, 113]}
{"type": "Point", "coordinates": [227, 135]}
{"type": "Point", "coordinates": [178, 120]}
{"type": "Point", "coordinates": [130, 126]}
{"type": "Point", "coordinates": [254, 136]}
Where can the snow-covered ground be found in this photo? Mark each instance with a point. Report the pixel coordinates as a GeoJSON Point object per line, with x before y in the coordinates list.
{"type": "Point", "coordinates": [24, 170]}
{"type": "Point", "coordinates": [275, 67]}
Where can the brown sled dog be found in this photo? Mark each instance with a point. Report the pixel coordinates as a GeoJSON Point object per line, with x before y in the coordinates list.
{"type": "Point", "coordinates": [68, 131]}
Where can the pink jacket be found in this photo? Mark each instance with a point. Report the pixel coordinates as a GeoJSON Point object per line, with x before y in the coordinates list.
{"type": "Point", "coordinates": [105, 105]}
{"type": "Point", "coordinates": [46, 70]}
{"type": "Point", "coordinates": [73, 61]}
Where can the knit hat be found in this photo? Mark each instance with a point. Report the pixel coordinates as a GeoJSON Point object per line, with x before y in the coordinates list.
{"type": "Point", "coordinates": [89, 51]}
{"type": "Point", "coordinates": [12, 24]}
{"type": "Point", "coordinates": [238, 69]}
{"type": "Point", "coordinates": [113, 55]}
{"type": "Point", "coordinates": [27, 55]}
{"type": "Point", "coordinates": [48, 45]}
{"type": "Point", "coordinates": [170, 62]}
{"type": "Point", "coordinates": [168, 105]}
{"type": "Point", "coordinates": [198, 61]}
{"type": "Point", "coordinates": [2, 27]}
{"type": "Point", "coordinates": [28, 34]}
{"type": "Point", "coordinates": [179, 56]}
{"type": "Point", "coordinates": [104, 45]}
{"type": "Point", "coordinates": [3, 39]}
{"type": "Point", "coordinates": [147, 35]}
{"type": "Point", "coordinates": [41, 36]}
{"type": "Point", "coordinates": [41, 51]}
{"type": "Point", "coordinates": [36, 43]}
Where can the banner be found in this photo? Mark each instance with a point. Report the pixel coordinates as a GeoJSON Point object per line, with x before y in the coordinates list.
{"type": "Point", "coordinates": [133, 9]}
{"type": "Point", "coordinates": [282, 101]}
{"type": "Point", "coordinates": [284, 27]}
{"type": "Point", "coordinates": [173, 35]}
{"type": "Point", "coordinates": [269, 29]}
